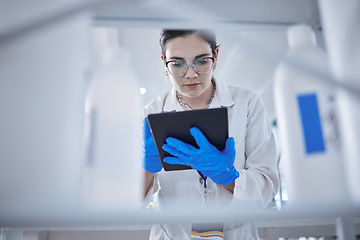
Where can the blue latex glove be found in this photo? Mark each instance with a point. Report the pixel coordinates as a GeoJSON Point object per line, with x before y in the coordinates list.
{"type": "Point", "coordinates": [151, 159]}
{"type": "Point", "coordinates": [215, 164]}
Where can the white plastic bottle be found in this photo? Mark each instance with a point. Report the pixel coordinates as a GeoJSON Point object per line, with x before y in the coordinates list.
{"type": "Point", "coordinates": [308, 126]}
{"type": "Point", "coordinates": [342, 39]}
{"type": "Point", "coordinates": [113, 174]}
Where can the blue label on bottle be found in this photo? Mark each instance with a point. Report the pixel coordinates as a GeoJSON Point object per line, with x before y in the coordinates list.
{"type": "Point", "coordinates": [311, 123]}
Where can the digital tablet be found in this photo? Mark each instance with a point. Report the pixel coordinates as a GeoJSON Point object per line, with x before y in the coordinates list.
{"type": "Point", "coordinates": [213, 123]}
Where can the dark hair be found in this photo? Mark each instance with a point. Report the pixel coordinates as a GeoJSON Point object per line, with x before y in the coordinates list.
{"type": "Point", "coordinates": [168, 34]}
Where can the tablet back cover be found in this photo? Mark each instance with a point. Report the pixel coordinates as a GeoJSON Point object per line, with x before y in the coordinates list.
{"type": "Point", "coordinates": [213, 123]}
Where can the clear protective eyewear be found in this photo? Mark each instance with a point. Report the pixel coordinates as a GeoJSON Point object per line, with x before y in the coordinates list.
{"type": "Point", "coordinates": [178, 68]}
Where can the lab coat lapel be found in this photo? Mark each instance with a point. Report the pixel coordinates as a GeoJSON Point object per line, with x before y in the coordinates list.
{"type": "Point", "coordinates": [171, 104]}
{"type": "Point", "coordinates": [223, 97]}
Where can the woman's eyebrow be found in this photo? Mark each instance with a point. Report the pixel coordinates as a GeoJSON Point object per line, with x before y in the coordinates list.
{"type": "Point", "coordinates": [177, 58]}
{"type": "Point", "coordinates": [202, 55]}
{"type": "Point", "coordinates": [196, 57]}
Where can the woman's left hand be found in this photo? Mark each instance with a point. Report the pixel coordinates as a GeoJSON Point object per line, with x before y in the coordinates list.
{"type": "Point", "coordinates": [215, 164]}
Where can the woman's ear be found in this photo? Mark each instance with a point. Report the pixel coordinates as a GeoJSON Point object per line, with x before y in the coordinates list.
{"type": "Point", "coordinates": [162, 58]}
{"type": "Point", "coordinates": [216, 56]}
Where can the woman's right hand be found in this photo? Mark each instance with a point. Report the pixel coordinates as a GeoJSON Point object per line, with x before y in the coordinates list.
{"type": "Point", "coordinates": [151, 159]}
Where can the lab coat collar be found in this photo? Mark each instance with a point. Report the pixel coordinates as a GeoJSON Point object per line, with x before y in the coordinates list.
{"type": "Point", "coordinates": [222, 98]}
{"type": "Point", "coordinates": [171, 103]}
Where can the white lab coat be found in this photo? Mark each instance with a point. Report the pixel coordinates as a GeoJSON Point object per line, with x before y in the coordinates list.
{"type": "Point", "coordinates": [255, 161]}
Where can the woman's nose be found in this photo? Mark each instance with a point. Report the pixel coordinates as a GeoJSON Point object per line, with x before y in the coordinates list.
{"type": "Point", "coordinates": [191, 73]}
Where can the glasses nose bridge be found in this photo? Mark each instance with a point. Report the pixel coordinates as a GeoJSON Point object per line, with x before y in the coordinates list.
{"type": "Point", "coordinates": [192, 65]}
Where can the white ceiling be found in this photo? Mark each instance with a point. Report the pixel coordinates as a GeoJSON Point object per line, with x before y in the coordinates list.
{"type": "Point", "coordinates": [164, 12]}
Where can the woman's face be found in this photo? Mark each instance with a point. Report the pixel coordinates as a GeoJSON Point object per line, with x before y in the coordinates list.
{"type": "Point", "coordinates": [190, 48]}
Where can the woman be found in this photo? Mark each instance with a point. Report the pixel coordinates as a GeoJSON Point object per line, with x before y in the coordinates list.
{"type": "Point", "coordinates": [248, 176]}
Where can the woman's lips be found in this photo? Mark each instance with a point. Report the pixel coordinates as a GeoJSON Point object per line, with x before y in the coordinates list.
{"type": "Point", "coordinates": [192, 85]}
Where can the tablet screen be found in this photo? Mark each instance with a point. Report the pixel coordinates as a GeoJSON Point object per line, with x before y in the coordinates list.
{"type": "Point", "coordinates": [213, 123]}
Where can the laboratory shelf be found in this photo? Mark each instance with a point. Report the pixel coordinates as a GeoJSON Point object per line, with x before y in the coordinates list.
{"type": "Point", "coordinates": [80, 217]}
